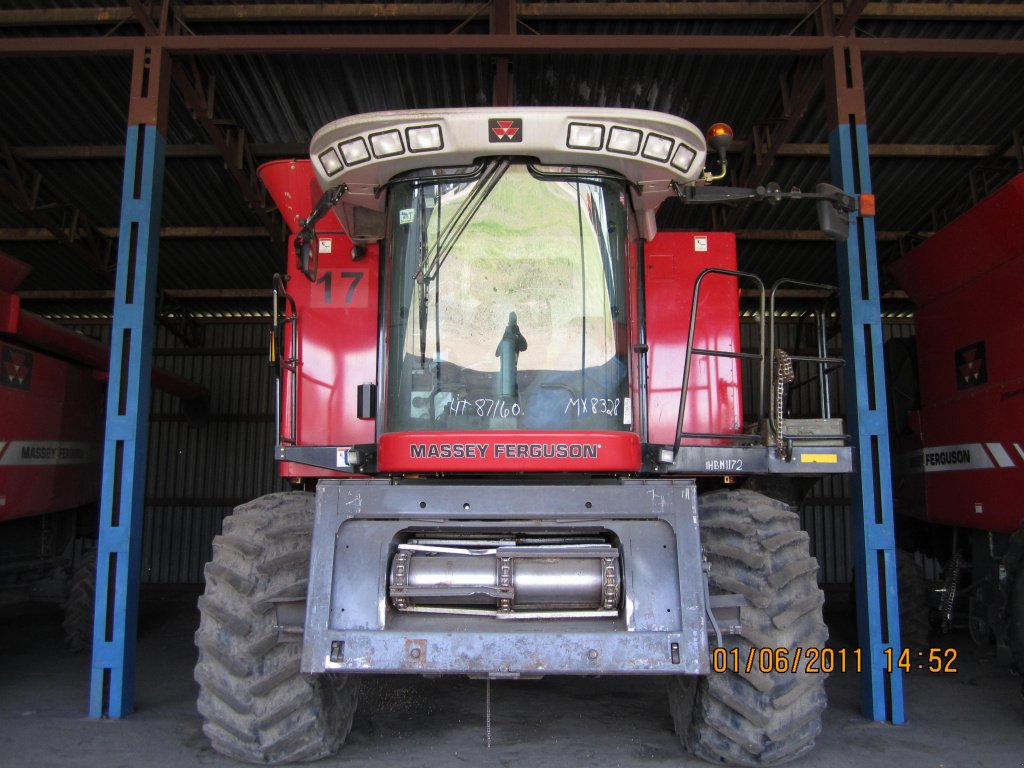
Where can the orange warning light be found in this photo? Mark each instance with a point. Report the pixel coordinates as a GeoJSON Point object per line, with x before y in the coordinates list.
{"type": "Point", "coordinates": [719, 129]}
{"type": "Point", "coordinates": [867, 205]}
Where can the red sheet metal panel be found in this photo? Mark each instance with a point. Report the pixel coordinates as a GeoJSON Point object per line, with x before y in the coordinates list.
{"type": "Point", "coordinates": [968, 280]}
{"type": "Point", "coordinates": [12, 272]}
{"type": "Point", "coordinates": [337, 321]}
{"type": "Point", "coordinates": [51, 428]}
{"type": "Point", "coordinates": [714, 403]}
{"type": "Point", "coordinates": [966, 248]}
{"type": "Point", "coordinates": [337, 345]}
{"type": "Point", "coordinates": [295, 192]}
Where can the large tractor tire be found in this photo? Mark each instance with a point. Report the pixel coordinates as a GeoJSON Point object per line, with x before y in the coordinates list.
{"type": "Point", "coordinates": [914, 622]}
{"type": "Point", "coordinates": [1017, 623]}
{"type": "Point", "coordinates": [255, 703]}
{"type": "Point", "coordinates": [1014, 564]}
{"type": "Point", "coordinates": [80, 603]}
{"type": "Point", "coordinates": [756, 549]}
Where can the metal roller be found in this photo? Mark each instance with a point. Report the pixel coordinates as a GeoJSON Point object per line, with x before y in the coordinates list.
{"type": "Point", "coordinates": [506, 579]}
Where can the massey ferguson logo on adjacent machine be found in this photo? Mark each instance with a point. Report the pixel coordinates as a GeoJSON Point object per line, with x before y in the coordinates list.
{"type": "Point", "coordinates": [505, 130]}
{"type": "Point", "coordinates": [970, 366]}
{"type": "Point", "coordinates": [16, 368]}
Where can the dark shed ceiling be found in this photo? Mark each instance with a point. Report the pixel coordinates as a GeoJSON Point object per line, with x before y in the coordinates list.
{"type": "Point", "coordinates": [945, 123]}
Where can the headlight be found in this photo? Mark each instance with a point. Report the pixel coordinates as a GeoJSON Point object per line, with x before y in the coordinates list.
{"type": "Point", "coordinates": [683, 158]}
{"type": "Point", "coordinates": [330, 162]}
{"type": "Point", "coordinates": [625, 141]}
{"type": "Point", "coordinates": [387, 144]}
{"type": "Point", "coordinates": [354, 152]}
{"type": "Point", "coordinates": [424, 138]}
{"type": "Point", "coordinates": [657, 147]}
{"type": "Point", "coordinates": [585, 136]}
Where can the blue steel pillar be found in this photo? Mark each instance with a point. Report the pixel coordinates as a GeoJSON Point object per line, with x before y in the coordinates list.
{"type": "Point", "coordinates": [871, 488]}
{"type": "Point", "coordinates": [112, 692]}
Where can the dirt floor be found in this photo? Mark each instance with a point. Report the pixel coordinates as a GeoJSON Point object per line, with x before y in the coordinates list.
{"type": "Point", "coordinates": [972, 718]}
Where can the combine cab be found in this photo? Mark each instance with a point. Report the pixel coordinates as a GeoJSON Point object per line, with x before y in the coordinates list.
{"type": "Point", "coordinates": [513, 414]}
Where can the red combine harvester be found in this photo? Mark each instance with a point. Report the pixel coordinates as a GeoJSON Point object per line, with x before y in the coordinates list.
{"type": "Point", "coordinates": [520, 409]}
{"type": "Point", "coordinates": [51, 444]}
{"type": "Point", "coordinates": [958, 413]}
{"type": "Point", "coordinates": [52, 402]}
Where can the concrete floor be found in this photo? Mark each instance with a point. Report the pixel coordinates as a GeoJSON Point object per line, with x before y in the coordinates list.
{"type": "Point", "coordinates": [972, 718]}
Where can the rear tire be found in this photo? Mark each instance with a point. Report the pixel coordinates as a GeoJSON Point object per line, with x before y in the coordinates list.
{"type": "Point", "coordinates": [914, 623]}
{"type": "Point", "coordinates": [756, 549]}
{"type": "Point", "coordinates": [1017, 623]}
{"type": "Point", "coordinates": [1015, 601]}
{"type": "Point", "coordinates": [79, 607]}
{"type": "Point", "coordinates": [256, 705]}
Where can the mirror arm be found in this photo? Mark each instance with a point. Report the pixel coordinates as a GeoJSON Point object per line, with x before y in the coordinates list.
{"type": "Point", "coordinates": [834, 205]}
{"type": "Point", "coordinates": [306, 239]}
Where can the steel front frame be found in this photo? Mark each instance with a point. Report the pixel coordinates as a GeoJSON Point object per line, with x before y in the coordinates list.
{"type": "Point", "coordinates": [352, 627]}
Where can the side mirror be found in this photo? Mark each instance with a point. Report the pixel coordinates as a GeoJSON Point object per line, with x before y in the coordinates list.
{"type": "Point", "coordinates": [307, 249]}
{"type": "Point", "coordinates": [833, 220]}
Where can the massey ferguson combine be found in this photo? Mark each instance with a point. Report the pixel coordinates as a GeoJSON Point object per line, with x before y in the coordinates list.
{"type": "Point", "coordinates": [51, 434]}
{"type": "Point", "coordinates": [516, 411]}
{"type": "Point", "coordinates": [957, 409]}
{"type": "Point", "coordinates": [52, 396]}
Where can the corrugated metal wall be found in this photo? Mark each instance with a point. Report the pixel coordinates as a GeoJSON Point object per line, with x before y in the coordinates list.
{"type": "Point", "coordinates": [199, 469]}
{"type": "Point", "coordinates": [825, 514]}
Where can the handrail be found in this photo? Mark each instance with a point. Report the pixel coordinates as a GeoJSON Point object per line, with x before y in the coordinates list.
{"type": "Point", "coordinates": [690, 350]}
{"type": "Point", "coordinates": [289, 364]}
{"type": "Point", "coordinates": [826, 363]}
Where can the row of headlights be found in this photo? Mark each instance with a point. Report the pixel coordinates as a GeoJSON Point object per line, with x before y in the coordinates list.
{"type": "Point", "coordinates": [585, 136]}
{"type": "Point", "coordinates": [420, 138]}
{"type": "Point", "coordinates": [628, 141]}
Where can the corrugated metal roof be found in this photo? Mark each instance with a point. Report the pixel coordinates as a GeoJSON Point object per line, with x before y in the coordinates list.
{"type": "Point", "coordinates": [283, 99]}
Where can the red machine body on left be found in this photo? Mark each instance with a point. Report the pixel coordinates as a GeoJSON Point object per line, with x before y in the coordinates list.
{"type": "Point", "coordinates": [51, 445]}
{"type": "Point", "coordinates": [52, 403]}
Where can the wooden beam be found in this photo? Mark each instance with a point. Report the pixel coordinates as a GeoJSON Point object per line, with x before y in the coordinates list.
{"type": "Point", "coordinates": [280, 151]}
{"type": "Point", "coordinates": [810, 235]}
{"type": "Point", "coordinates": [325, 12]}
{"type": "Point", "coordinates": [807, 293]}
{"type": "Point", "coordinates": [40, 234]}
{"type": "Point", "coordinates": [852, 13]}
{"type": "Point", "coordinates": [175, 293]}
{"type": "Point", "coordinates": [503, 45]}
{"type": "Point", "coordinates": [174, 151]}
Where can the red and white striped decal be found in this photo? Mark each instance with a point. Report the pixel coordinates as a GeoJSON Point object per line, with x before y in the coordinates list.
{"type": "Point", "coordinates": [966, 456]}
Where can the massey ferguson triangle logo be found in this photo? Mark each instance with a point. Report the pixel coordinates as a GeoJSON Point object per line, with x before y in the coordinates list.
{"type": "Point", "coordinates": [971, 370]}
{"type": "Point", "coordinates": [16, 368]}
{"type": "Point", "coordinates": [505, 130]}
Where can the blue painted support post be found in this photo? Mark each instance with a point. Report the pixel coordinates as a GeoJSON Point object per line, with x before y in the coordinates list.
{"type": "Point", "coordinates": [112, 692]}
{"type": "Point", "coordinates": [866, 411]}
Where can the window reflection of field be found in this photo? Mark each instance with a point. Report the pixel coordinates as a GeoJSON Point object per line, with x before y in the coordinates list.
{"type": "Point", "coordinates": [522, 253]}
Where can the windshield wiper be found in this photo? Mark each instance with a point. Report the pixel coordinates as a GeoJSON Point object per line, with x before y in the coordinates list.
{"type": "Point", "coordinates": [432, 263]}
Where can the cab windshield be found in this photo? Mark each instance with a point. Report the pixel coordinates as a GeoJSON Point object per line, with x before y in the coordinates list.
{"type": "Point", "coordinates": [507, 306]}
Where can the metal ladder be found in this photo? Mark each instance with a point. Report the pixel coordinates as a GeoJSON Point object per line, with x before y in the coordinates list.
{"type": "Point", "coordinates": [284, 366]}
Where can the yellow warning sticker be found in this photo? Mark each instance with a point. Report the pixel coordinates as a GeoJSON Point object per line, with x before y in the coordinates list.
{"type": "Point", "coordinates": [819, 458]}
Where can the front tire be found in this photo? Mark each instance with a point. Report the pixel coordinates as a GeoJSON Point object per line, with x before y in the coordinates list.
{"type": "Point", "coordinates": [756, 549]}
{"type": "Point", "coordinates": [255, 703]}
